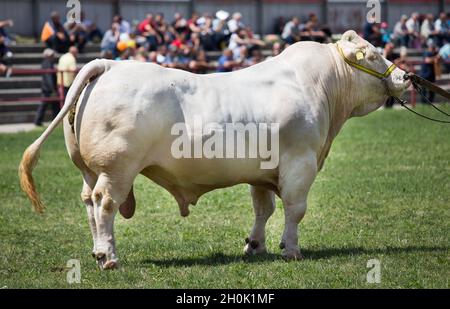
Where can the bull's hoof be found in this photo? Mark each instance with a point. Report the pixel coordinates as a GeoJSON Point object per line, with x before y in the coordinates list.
{"type": "Point", "coordinates": [99, 256]}
{"type": "Point", "coordinates": [105, 264]}
{"type": "Point", "coordinates": [291, 254]}
{"type": "Point", "coordinates": [254, 247]}
{"type": "Point", "coordinates": [111, 264]}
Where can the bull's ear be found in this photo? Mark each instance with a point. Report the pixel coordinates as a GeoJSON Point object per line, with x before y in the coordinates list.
{"type": "Point", "coordinates": [350, 36]}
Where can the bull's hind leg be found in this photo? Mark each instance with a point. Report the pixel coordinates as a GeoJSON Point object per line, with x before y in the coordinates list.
{"type": "Point", "coordinates": [263, 207]}
{"type": "Point", "coordinates": [89, 180]}
{"type": "Point", "coordinates": [109, 193]}
{"type": "Point", "coordinates": [297, 175]}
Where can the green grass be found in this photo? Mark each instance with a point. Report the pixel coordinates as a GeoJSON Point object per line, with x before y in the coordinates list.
{"type": "Point", "coordinates": [384, 193]}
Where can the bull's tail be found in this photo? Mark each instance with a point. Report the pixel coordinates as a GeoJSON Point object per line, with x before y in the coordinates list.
{"type": "Point", "coordinates": [31, 155]}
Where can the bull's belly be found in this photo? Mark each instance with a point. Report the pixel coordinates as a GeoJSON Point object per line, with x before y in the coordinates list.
{"type": "Point", "coordinates": [188, 179]}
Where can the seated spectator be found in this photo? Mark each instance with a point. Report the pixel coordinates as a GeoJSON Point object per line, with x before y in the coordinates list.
{"type": "Point", "coordinates": [161, 54]}
{"type": "Point", "coordinates": [77, 34]}
{"type": "Point", "coordinates": [169, 57]}
{"type": "Point", "coordinates": [412, 25]}
{"type": "Point", "coordinates": [153, 57]}
{"type": "Point", "coordinates": [427, 30]}
{"type": "Point", "coordinates": [389, 53]}
{"type": "Point", "coordinates": [200, 64]}
{"type": "Point", "coordinates": [3, 24]}
{"type": "Point", "coordinates": [93, 32]}
{"type": "Point", "coordinates": [442, 29]}
{"type": "Point", "coordinates": [48, 87]}
{"type": "Point", "coordinates": [179, 24]}
{"type": "Point", "coordinates": [161, 28]}
{"type": "Point", "coordinates": [385, 33]}
{"type": "Point", "coordinates": [141, 55]}
{"type": "Point", "coordinates": [206, 35]}
{"type": "Point", "coordinates": [241, 37]}
{"type": "Point", "coordinates": [277, 48]}
{"type": "Point", "coordinates": [235, 23]}
{"type": "Point", "coordinates": [220, 29]}
{"type": "Point", "coordinates": [110, 40]}
{"type": "Point", "coordinates": [372, 32]}
{"type": "Point", "coordinates": [311, 30]}
{"type": "Point", "coordinates": [226, 62]}
{"type": "Point", "coordinates": [124, 26]}
{"type": "Point", "coordinates": [444, 54]}
{"type": "Point", "coordinates": [291, 31]}
{"type": "Point", "coordinates": [183, 57]}
{"type": "Point", "coordinates": [243, 58]}
{"type": "Point", "coordinates": [256, 57]}
{"type": "Point", "coordinates": [5, 57]}
{"type": "Point", "coordinates": [401, 32]}
{"type": "Point", "coordinates": [147, 28]}
{"type": "Point", "coordinates": [192, 24]}
{"type": "Point", "coordinates": [54, 35]}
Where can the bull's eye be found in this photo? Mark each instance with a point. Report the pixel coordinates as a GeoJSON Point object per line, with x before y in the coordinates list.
{"type": "Point", "coordinates": [371, 57]}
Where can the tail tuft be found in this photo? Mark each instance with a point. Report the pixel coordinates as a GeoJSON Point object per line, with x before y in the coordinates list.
{"type": "Point", "coordinates": [29, 161]}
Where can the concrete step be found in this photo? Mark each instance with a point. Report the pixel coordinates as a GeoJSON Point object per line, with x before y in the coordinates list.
{"type": "Point", "coordinates": [36, 58]}
{"type": "Point", "coordinates": [28, 106]}
{"type": "Point", "coordinates": [17, 82]}
{"type": "Point", "coordinates": [6, 94]}
{"type": "Point", "coordinates": [23, 117]}
{"type": "Point", "coordinates": [35, 67]}
{"type": "Point", "coordinates": [39, 48]}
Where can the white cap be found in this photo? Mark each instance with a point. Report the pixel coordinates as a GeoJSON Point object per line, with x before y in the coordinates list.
{"type": "Point", "coordinates": [222, 15]}
{"type": "Point", "coordinates": [48, 52]}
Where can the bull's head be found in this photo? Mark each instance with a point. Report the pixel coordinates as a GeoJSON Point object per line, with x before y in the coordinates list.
{"type": "Point", "coordinates": [374, 77]}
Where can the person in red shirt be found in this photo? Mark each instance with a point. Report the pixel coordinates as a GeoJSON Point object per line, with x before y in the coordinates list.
{"type": "Point", "coordinates": [148, 30]}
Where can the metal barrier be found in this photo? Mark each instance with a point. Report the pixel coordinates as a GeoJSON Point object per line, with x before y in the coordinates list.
{"type": "Point", "coordinates": [60, 91]}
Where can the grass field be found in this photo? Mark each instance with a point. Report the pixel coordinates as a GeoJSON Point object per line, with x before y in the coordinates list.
{"type": "Point", "coordinates": [384, 194]}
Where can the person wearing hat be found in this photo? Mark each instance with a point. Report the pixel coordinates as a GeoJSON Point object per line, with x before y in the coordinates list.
{"type": "Point", "coordinates": [235, 23]}
{"type": "Point", "coordinates": [48, 87]}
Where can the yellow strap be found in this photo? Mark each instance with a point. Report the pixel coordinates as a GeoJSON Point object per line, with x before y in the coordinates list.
{"type": "Point", "coordinates": [364, 69]}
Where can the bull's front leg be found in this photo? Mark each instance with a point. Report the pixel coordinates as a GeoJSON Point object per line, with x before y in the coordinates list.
{"type": "Point", "coordinates": [263, 207]}
{"type": "Point", "coordinates": [296, 176]}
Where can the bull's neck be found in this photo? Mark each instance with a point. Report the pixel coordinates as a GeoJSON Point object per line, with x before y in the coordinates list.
{"type": "Point", "coordinates": [338, 85]}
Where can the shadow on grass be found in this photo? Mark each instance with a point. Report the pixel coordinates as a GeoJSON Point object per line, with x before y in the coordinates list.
{"type": "Point", "coordinates": [309, 254]}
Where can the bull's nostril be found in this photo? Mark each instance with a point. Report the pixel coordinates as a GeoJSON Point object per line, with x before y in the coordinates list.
{"type": "Point", "coordinates": [406, 76]}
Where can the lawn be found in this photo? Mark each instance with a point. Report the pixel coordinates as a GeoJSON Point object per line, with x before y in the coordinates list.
{"type": "Point", "coordinates": [384, 194]}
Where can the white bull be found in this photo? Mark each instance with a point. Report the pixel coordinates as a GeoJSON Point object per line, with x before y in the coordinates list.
{"type": "Point", "coordinates": [125, 112]}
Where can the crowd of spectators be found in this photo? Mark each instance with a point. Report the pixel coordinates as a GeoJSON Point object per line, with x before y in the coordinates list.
{"type": "Point", "coordinates": [183, 42]}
